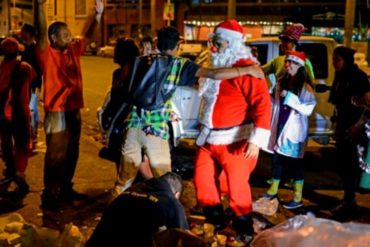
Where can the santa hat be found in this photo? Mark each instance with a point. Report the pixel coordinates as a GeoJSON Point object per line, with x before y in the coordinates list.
{"type": "Point", "coordinates": [296, 56]}
{"type": "Point", "coordinates": [293, 32]}
{"type": "Point", "coordinates": [230, 29]}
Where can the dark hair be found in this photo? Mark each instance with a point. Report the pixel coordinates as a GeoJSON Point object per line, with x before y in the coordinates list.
{"type": "Point", "coordinates": [168, 37]}
{"type": "Point", "coordinates": [146, 39]}
{"type": "Point", "coordinates": [125, 51]}
{"type": "Point", "coordinates": [54, 29]}
{"type": "Point", "coordinates": [300, 78]}
{"type": "Point", "coordinates": [28, 28]}
{"type": "Point", "coordinates": [346, 53]}
{"type": "Point", "coordinates": [174, 180]}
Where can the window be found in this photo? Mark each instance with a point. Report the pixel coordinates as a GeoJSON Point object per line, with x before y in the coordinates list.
{"type": "Point", "coordinates": [262, 52]}
{"type": "Point", "coordinates": [80, 7]}
{"type": "Point", "coordinates": [317, 53]}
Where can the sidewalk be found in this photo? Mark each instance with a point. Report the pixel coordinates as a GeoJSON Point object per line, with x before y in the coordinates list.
{"type": "Point", "coordinates": [94, 176]}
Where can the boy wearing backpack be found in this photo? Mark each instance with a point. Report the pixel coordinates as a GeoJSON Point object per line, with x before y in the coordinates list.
{"type": "Point", "coordinates": [148, 128]}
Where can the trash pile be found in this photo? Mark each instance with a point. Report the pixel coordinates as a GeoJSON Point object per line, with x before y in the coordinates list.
{"type": "Point", "coordinates": [308, 231]}
{"type": "Point", "coordinates": [15, 232]}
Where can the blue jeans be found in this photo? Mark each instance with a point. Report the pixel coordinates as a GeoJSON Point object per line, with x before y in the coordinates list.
{"type": "Point", "coordinates": [35, 114]}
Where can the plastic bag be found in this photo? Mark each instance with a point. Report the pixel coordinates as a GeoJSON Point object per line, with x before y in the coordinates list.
{"type": "Point", "coordinates": [308, 231]}
{"type": "Point", "coordinates": [266, 206]}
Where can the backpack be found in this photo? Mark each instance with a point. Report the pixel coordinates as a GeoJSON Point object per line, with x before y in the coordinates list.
{"type": "Point", "coordinates": [112, 113]}
{"type": "Point", "coordinates": [147, 85]}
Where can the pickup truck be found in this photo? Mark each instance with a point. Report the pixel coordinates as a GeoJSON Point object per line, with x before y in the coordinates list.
{"type": "Point", "coordinates": [318, 49]}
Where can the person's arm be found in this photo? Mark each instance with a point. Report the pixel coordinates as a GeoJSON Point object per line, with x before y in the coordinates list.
{"type": "Point", "coordinates": [259, 112]}
{"type": "Point", "coordinates": [304, 107]}
{"type": "Point", "coordinates": [41, 24]}
{"type": "Point", "coordinates": [93, 22]}
{"type": "Point", "coordinates": [228, 73]}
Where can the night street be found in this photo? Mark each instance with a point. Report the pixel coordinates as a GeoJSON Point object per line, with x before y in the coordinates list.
{"type": "Point", "coordinates": [94, 176]}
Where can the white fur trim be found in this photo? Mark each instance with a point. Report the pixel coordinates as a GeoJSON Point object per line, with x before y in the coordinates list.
{"type": "Point", "coordinates": [235, 134]}
{"type": "Point", "coordinates": [227, 33]}
{"type": "Point", "coordinates": [260, 137]}
{"type": "Point", "coordinates": [210, 89]}
{"type": "Point", "coordinates": [295, 59]}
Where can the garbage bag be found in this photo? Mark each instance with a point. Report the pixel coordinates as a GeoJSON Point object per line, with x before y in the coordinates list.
{"type": "Point", "coordinates": [266, 206]}
{"type": "Point", "coordinates": [308, 231]}
{"type": "Point", "coordinates": [15, 232]}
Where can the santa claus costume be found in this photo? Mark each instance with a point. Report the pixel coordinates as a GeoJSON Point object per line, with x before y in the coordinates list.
{"type": "Point", "coordinates": [236, 113]}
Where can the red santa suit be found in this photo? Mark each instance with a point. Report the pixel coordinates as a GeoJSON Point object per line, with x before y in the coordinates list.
{"type": "Point", "coordinates": [236, 112]}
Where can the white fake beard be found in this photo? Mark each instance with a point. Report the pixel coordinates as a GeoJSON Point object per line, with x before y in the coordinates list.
{"type": "Point", "coordinates": [231, 55]}
{"type": "Point", "coordinates": [222, 60]}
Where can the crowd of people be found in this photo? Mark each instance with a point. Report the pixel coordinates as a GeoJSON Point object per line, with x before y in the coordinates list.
{"type": "Point", "coordinates": [260, 115]}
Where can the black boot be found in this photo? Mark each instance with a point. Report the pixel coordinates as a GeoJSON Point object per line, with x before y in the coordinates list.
{"type": "Point", "coordinates": [243, 226]}
{"type": "Point", "coordinates": [215, 215]}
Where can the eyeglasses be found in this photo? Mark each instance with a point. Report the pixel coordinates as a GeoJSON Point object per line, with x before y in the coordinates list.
{"type": "Point", "coordinates": [216, 40]}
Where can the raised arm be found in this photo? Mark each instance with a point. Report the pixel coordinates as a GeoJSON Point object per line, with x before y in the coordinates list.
{"type": "Point", "coordinates": [93, 22]}
{"type": "Point", "coordinates": [228, 73]}
{"type": "Point", "coordinates": [41, 24]}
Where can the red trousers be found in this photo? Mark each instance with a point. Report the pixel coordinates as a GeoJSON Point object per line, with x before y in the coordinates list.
{"type": "Point", "coordinates": [213, 160]}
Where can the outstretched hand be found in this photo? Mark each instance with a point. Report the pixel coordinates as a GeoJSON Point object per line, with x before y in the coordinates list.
{"type": "Point", "coordinates": [99, 7]}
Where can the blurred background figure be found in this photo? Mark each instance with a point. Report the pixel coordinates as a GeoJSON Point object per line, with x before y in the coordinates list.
{"type": "Point", "coordinates": [15, 128]}
{"type": "Point", "coordinates": [147, 46]}
{"type": "Point", "coordinates": [349, 82]}
{"type": "Point", "coordinates": [28, 36]}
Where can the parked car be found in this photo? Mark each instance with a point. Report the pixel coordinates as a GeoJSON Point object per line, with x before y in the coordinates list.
{"type": "Point", "coordinates": [190, 50]}
{"type": "Point", "coordinates": [318, 49]}
{"type": "Point", "coordinates": [107, 50]}
{"type": "Point", "coordinates": [187, 103]}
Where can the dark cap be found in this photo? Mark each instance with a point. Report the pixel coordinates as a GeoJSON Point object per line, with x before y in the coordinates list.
{"type": "Point", "coordinates": [11, 46]}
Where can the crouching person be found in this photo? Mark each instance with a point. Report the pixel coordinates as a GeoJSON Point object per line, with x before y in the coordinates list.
{"type": "Point", "coordinates": [139, 212]}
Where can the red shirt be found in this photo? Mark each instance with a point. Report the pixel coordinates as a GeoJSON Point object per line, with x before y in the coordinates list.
{"type": "Point", "coordinates": [62, 77]}
{"type": "Point", "coordinates": [18, 98]}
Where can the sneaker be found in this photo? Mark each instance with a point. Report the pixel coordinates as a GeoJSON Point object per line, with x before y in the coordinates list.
{"type": "Point", "coordinates": [293, 205]}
